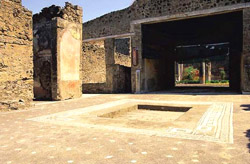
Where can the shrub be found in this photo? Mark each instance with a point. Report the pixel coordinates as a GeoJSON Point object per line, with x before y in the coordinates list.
{"type": "Point", "coordinates": [189, 82]}
{"type": "Point", "coordinates": [222, 74]}
{"type": "Point", "coordinates": [190, 73]}
{"type": "Point", "coordinates": [224, 81]}
{"type": "Point", "coordinates": [215, 81]}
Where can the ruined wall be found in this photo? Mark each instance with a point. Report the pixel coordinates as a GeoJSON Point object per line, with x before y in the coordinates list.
{"type": "Point", "coordinates": [97, 75]}
{"type": "Point", "coordinates": [136, 70]}
{"type": "Point", "coordinates": [57, 52]}
{"type": "Point", "coordinates": [114, 23]}
{"type": "Point", "coordinates": [93, 63]}
{"type": "Point", "coordinates": [246, 52]}
{"type": "Point", "coordinates": [44, 40]}
{"type": "Point", "coordinates": [119, 22]}
{"type": "Point", "coordinates": [151, 75]}
{"type": "Point", "coordinates": [121, 79]}
{"type": "Point", "coordinates": [68, 84]}
{"type": "Point", "coordinates": [101, 73]}
{"type": "Point", "coordinates": [16, 66]}
{"type": "Point", "coordinates": [123, 52]}
{"type": "Point", "coordinates": [70, 13]}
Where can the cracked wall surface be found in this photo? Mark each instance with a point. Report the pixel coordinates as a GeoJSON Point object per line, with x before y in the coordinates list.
{"type": "Point", "coordinates": [16, 57]}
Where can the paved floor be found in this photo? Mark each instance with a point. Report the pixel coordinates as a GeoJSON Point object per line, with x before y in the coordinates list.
{"type": "Point", "coordinates": [24, 141]}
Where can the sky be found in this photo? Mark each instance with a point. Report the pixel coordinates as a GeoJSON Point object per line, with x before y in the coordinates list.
{"type": "Point", "coordinates": [91, 8]}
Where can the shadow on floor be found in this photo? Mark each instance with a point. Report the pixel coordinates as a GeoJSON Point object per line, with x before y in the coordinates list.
{"type": "Point", "coordinates": [245, 107]}
{"type": "Point", "coordinates": [248, 136]}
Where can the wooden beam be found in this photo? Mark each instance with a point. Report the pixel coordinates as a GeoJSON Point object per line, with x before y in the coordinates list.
{"type": "Point", "coordinates": [110, 37]}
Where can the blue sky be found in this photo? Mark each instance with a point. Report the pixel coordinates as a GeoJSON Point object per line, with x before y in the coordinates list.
{"type": "Point", "coordinates": [91, 8]}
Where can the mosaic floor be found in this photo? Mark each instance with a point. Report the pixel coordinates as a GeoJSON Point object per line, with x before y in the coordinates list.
{"type": "Point", "coordinates": [214, 122]}
{"type": "Point", "coordinates": [103, 129]}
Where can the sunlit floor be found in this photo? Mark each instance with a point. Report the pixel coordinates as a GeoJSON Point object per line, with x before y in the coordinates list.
{"type": "Point", "coordinates": [42, 133]}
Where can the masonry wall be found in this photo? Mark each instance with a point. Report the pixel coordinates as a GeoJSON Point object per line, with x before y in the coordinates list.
{"type": "Point", "coordinates": [106, 66]}
{"type": "Point", "coordinates": [44, 41]}
{"type": "Point", "coordinates": [119, 22]}
{"type": "Point", "coordinates": [110, 25]}
{"type": "Point", "coordinates": [246, 51]}
{"type": "Point", "coordinates": [16, 65]}
{"type": "Point", "coordinates": [98, 58]}
{"type": "Point", "coordinates": [93, 63]}
{"type": "Point", "coordinates": [57, 51]}
{"type": "Point", "coordinates": [123, 52]}
{"type": "Point", "coordinates": [136, 70]}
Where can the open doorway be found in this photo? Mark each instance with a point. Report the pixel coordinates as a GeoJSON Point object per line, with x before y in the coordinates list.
{"type": "Point", "coordinates": [209, 46]}
{"type": "Point", "coordinates": [203, 65]}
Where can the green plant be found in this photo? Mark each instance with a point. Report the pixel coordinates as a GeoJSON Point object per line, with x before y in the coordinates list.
{"type": "Point", "coordinates": [190, 73]}
{"type": "Point", "coordinates": [215, 81]}
{"type": "Point", "coordinates": [224, 81]}
{"type": "Point", "coordinates": [222, 74]}
{"type": "Point", "coordinates": [189, 82]}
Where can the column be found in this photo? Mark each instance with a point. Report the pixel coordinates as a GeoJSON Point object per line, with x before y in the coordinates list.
{"type": "Point", "coordinates": [203, 73]}
{"type": "Point", "coordinates": [209, 71]}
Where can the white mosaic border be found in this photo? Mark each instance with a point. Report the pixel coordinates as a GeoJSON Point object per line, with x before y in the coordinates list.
{"type": "Point", "coordinates": [218, 120]}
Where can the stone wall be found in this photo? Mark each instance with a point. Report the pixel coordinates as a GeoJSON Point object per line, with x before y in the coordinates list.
{"type": "Point", "coordinates": [70, 13]}
{"type": "Point", "coordinates": [123, 52]}
{"type": "Point", "coordinates": [57, 52]}
{"type": "Point", "coordinates": [119, 22]}
{"type": "Point", "coordinates": [136, 74]}
{"type": "Point", "coordinates": [114, 23]}
{"type": "Point", "coordinates": [246, 51]}
{"type": "Point", "coordinates": [103, 70]}
{"type": "Point", "coordinates": [110, 25]}
{"type": "Point", "coordinates": [66, 62]}
{"type": "Point", "coordinates": [93, 64]}
{"type": "Point", "coordinates": [44, 38]}
{"type": "Point", "coordinates": [117, 81]}
{"type": "Point", "coordinates": [16, 66]}
{"type": "Point", "coordinates": [121, 79]}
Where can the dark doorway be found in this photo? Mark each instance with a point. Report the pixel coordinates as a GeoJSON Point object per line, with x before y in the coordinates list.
{"type": "Point", "coordinates": [197, 40]}
{"type": "Point", "coordinates": [203, 65]}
